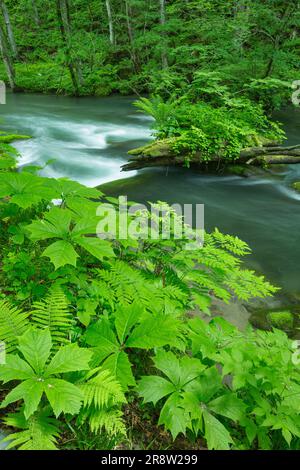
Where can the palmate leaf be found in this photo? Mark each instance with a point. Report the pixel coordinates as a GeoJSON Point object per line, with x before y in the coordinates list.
{"type": "Point", "coordinates": [101, 336]}
{"type": "Point", "coordinates": [63, 396]}
{"type": "Point", "coordinates": [107, 351]}
{"type": "Point", "coordinates": [135, 329]}
{"type": "Point", "coordinates": [181, 372]}
{"type": "Point", "coordinates": [173, 416]}
{"type": "Point", "coordinates": [216, 435]}
{"type": "Point", "coordinates": [25, 189]}
{"type": "Point", "coordinates": [61, 253]}
{"type": "Point", "coordinates": [154, 332]}
{"type": "Point", "coordinates": [228, 405]}
{"type": "Point", "coordinates": [30, 391]}
{"type": "Point", "coordinates": [39, 432]}
{"type": "Point", "coordinates": [35, 345]}
{"type": "Point", "coordinates": [153, 388]}
{"type": "Point", "coordinates": [69, 359]}
{"type": "Point", "coordinates": [126, 317]}
{"type": "Point", "coordinates": [96, 247]}
{"type": "Point", "coordinates": [15, 369]}
{"type": "Point", "coordinates": [68, 189]}
{"type": "Point", "coordinates": [13, 323]}
{"type": "Point", "coordinates": [181, 407]}
{"type": "Point", "coordinates": [56, 224]}
{"type": "Point", "coordinates": [207, 385]}
{"type": "Point", "coordinates": [119, 365]}
{"type": "Point", "coordinates": [59, 223]}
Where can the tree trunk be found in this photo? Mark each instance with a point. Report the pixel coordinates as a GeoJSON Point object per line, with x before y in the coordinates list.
{"type": "Point", "coordinates": [35, 11]}
{"type": "Point", "coordinates": [164, 58]}
{"type": "Point", "coordinates": [7, 60]}
{"type": "Point", "coordinates": [110, 22]}
{"type": "Point", "coordinates": [289, 10]}
{"type": "Point", "coordinates": [64, 23]}
{"type": "Point", "coordinates": [160, 153]}
{"type": "Point", "coordinates": [130, 34]}
{"type": "Point", "coordinates": [10, 34]}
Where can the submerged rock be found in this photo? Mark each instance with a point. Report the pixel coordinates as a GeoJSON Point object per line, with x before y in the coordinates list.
{"type": "Point", "coordinates": [296, 186]}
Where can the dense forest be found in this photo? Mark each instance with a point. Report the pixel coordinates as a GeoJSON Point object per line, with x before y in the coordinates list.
{"type": "Point", "coordinates": [112, 342]}
{"type": "Point", "coordinates": [126, 46]}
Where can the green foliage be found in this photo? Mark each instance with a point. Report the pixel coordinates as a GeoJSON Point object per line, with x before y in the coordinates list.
{"type": "Point", "coordinates": [270, 92]}
{"type": "Point", "coordinates": [206, 130]}
{"type": "Point", "coordinates": [38, 377]}
{"type": "Point", "coordinates": [39, 432]}
{"type": "Point", "coordinates": [255, 41]}
{"type": "Point", "coordinates": [236, 390]}
{"type": "Point", "coordinates": [52, 312]}
{"type": "Point", "coordinates": [13, 323]}
{"type": "Point", "coordinates": [131, 328]}
{"type": "Point", "coordinates": [81, 317]}
{"type": "Point", "coordinates": [80, 329]}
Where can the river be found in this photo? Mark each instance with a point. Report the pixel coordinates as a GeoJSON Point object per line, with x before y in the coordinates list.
{"type": "Point", "coordinates": [89, 137]}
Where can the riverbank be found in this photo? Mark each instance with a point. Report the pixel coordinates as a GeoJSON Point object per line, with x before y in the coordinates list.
{"type": "Point", "coordinates": [87, 139]}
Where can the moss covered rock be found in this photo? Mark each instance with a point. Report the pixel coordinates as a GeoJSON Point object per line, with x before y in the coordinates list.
{"type": "Point", "coordinates": [283, 320]}
{"type": "Point", "coordinates": [296, 186]}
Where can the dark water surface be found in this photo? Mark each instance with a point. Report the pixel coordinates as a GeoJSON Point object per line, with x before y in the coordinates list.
{"type": "Point", "coordinates": [89, 138]}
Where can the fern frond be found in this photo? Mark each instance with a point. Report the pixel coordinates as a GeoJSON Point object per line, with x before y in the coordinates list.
{"type": "Point", "coordinates": [124, 285]}
{"type": "Point", "coordinates": [39, 432]}
{"type": "Point", "coordinates": [101, 390]}
{"type": "Point", "coordinates": [53, 313]}
{"type": "Point", "coordinates": [110, 420]}
{"type": "Point", "coordinates": [13, 323]}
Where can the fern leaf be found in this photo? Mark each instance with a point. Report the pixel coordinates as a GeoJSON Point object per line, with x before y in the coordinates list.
{"type": "Point", "coordinates": [102, 390]}
{"type": "Point", "coordinates": [13, 323]}
{"type": "Point", "coordinates": [110, 420]}
{"type": "Point", "coordinates": [39, 432]}
{"type": "Point", "coordinates": [53, 313]}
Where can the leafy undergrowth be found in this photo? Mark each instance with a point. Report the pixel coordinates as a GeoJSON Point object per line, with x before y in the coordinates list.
{"type": "Point", "coordinates": [100, 350]}
{"type": "Point", "coordinates": [206, 120]}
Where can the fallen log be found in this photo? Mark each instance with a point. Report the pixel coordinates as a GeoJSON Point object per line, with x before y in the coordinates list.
{"type": "Point", "coordinates": [161, 153]}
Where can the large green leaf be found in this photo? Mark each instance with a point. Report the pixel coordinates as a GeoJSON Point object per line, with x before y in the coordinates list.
{"type": "Point", "coordinates": [154, 332]}
{"type": "Point", "coordinates": [61, 253]}
{"type": "Point", "coordinates": [69, 359]}
{"type": "Point", "coordinates": [216, 435]}
{"type": "Point", "coordinates": [64, 397]}
{"type": "Point", "coordinates": [119, 365]}
{"type": "Point", "coordinates": [207, 385]}
{"type": "Point", "coordinates": [101, 335]}
{"type": "Point", "coordinates": [126, 316]}
{"type": "Point", "coordinates": [55, 225]}
{"type": "Point", "coordinates": [35, 345]}
{"type": "Point", "coordinates": [30, 392]}
{"type": "Point", "coordinates": [68, 189]}
{"type": "Point", "coordinates": [96, 247]}
{"type": "Point", "coordinates": [228, 405]}
{"type": "Point", "coordinates": [173, 416]}
{"type": "Point", "coordinates": [169, 364]}
{"type": "Point", "coordinates": [15, 369]}
{"type": "Point", "coordinates": [153, 388]}
{"type": "Point", "coordinates": [25, 189]}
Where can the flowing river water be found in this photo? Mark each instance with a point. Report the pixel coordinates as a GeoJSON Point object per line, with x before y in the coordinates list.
{"type": "Point", "coordinates": [88, 138]}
